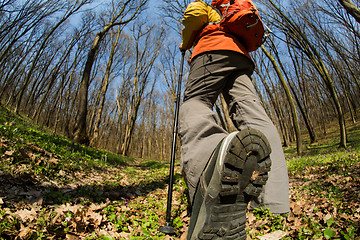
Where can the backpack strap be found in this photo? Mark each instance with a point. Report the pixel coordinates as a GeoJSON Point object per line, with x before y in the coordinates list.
{"type": "Point", "coordinates": [217, 10]}
{"type": "Point", "coordinates": [227, 5]}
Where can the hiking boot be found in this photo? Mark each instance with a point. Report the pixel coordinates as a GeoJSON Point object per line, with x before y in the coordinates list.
{"type": "Point", "coordinates": [235, 174]}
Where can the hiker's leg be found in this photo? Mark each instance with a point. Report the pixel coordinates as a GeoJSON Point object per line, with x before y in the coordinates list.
{"type": "Point", "coordinates": [246, 111]}
{"type": "Point", "coordinates": [198, 128]}
{"type": "Point", "coordinates": [200, 134]}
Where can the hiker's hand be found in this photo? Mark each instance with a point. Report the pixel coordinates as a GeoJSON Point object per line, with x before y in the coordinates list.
{"type": "Point", "coordinates": [181, 48]}
{"type": "Point", "coordinates": [189, 61]}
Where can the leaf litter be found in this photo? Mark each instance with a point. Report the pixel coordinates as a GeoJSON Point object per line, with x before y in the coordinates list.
{"type": "Point", "coordinates": [129, 202]}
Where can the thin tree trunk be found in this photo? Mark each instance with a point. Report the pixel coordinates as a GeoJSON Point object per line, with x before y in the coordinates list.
{"type": "Point", "coordinates": [278, 112]}
{"type": "Point", "coordinates": [298, 35]}
{"type": "Point", "coordinates": [104, 85]}
{"type": "Point", "coordinates": [351, 9]}
{"type": "Point", "coordinates": [38, 53]}
{"type": "Point", "coordinates": [81, 135]}
{"type": "Point", "coordinates": [290, 100]}
{"type": "Point", "coordinates": [229, 124]}
{"type": "Point", "coordinates": [307, 120]}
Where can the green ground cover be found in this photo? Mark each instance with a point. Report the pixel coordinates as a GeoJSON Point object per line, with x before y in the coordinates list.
{"type": "Point", "coordinates": [51, 188]}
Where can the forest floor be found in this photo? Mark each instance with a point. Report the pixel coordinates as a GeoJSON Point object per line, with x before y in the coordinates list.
{"type": "Point", "coordinates": [51, 188]}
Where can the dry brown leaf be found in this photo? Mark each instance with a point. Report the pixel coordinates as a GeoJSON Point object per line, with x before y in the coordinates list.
{"type": "Point", "coordinates": [26, 214]}
{"type": "Point", "coordinates": [125, 235]}
{"type": "Point", "coordinates": [72, 237]}
{"type": "Point", "coordinates": [184, 214]}
{"type": "Point", "coordinates": [97, 207]}
{"type": "Point", "coordinates": [273, 236]}
{"type": "Point", "coordinates": [9, 153]}
{"type": "Point", "coordinates": [1, 201]}
{"type": "Point", "coordinates": [251, 217]}
{"type": "Point", "coordinates": [40, 150]}
{"type": "Point", "coordinates": [25, 233]}
{"type": "Point", "coordinates": [297, 210]}
{"type": "Point", "coordinates": [184, 235]}
{"type": "Point", "coordinates": [54, 161]}
{"type": "Point", "coordinates": [297, 223]}
{"type": "Point", "coordinates": [68, 208]}
{"type": "Point", "coordinates": [112, 234]}
{"type": "Point", "coordinates": [32, 156]}
{"type": "Point", "coordinates": [95, 217]}
{"type": "Point", "coordinates": [327, 217]}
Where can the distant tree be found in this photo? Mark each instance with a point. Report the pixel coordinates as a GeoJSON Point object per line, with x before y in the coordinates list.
{"type": "Point", "coordinates": [114, 53]}
{"type": "Point", "coordinates": [71, 9]}
{"type": "Point", "coordinates": [123, 13]}
{"type": "Point", "coordinates": [299, 38]}
{"type": "Point", "coordinates": [174, 9]}
{"type": "Point", "coordinates": [289, 99]}
{"type": "Point", "coordinates": [148, 42]}
{"type": "Point", "coordinates": [351, 9]}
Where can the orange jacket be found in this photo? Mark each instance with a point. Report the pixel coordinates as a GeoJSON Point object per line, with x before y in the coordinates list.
{"type": "Point", "coordinates": [206, 37]}
{"type": "Point", "coordinates": [212, 39]}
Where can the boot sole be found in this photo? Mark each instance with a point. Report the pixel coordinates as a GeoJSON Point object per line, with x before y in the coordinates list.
{"type": "Point", "coordinates": [240, 172]}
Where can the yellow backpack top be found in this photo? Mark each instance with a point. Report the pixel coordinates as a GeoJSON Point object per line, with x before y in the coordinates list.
{"type": "Point", "coordinates": [197, 15]}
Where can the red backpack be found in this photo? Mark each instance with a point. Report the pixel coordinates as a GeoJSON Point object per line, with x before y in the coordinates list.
{"type": "Point", "coordinates": [242, 19]}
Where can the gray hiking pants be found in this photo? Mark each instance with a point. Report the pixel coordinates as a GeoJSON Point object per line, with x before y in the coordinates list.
{"type": "Point", "coordinates": [230, 73]}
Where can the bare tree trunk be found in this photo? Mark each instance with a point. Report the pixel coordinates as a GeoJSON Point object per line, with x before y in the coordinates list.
{"type": "Point", "coordinates": [54, 75]}
{"type": "Point", "coordinates": [290, 100]}
{"type": "Point", "coordinates": [230, 127]}
{"type": "Point", "coordinates": [28, 18]}
{"type": "Point", "coordinates": [145, 59]}
{"type": "Point", "coordinates": [81, 135]}
{"type": "Point", "coordinates": [104, 85]}
{"type": "Point", "coordinates": [41, 49]}
{"type": "Point", "coordinates": [278, 112]}
{"type": "Point", "coordinates": [307, 120]}
{"type": "Point", "coordinates": [351, 9]}
{"type": "Point", "coordinates": [305, 45]}
{"type": "Point", "coordinates": [57, 114]}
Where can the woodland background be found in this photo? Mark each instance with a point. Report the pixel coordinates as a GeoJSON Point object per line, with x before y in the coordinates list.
{"type": "Point", "coordinates": [104, 73]}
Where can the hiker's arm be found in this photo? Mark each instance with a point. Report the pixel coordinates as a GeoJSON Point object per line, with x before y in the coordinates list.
{"type": "Point", "coordinates": [195, 18]}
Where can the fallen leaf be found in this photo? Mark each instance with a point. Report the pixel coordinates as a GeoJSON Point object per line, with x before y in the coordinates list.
{"type": "Point", "coordinates": [273, 236]}
{"type": "Point", "coordinates": [24, 154]}
{"type": "Point", "coordinates": [327, 217]}
{"type": "Point", "coordinates": [125, 235]}
{"type": "Point", "coordinates": [72, 237]}
{"type": "Point", "coordinates": [25, 233]}
{"type": "Point", "coordinates": [297, 207]}
{"type": "Point", "coordinates": [184, 235]}
{"type": "Point", "coordinates": [54, 161]}
{"type": "Point", "coordinates": [9, 153]}
{"type": "Point", "coordinates": [96, 207]}
{"type": "Point", "coordinates": [68, 208]}
{"type": "Point", "coordinates": [184, 214]}
{"type": "Point", "coordinates": [251, 218]}
{"type": "Point", "coordinates": [95, 217]}
{"type": "Point", "coordinates": [26, 214]}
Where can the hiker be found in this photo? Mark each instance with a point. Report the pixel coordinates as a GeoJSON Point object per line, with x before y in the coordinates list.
{"type": "Point", "coordinates": [225, 171]}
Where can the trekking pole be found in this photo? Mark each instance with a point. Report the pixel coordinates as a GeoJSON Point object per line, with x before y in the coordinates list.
{"type": "Point", "coordinates": [167, 228]}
